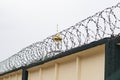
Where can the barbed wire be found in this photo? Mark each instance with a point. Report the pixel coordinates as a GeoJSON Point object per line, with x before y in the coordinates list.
{"type": "Point", "coordinates": [103, 24]}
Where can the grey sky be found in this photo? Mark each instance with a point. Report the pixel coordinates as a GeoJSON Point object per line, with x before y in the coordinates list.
{"type": "Point", "coordinates": [23, 22]}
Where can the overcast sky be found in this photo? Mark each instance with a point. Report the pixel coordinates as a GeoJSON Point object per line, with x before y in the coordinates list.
{"type": "Point", "coordinates": [23, 22]}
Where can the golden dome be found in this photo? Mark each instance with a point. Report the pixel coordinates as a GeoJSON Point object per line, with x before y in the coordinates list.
{"type": "Point", "coordinates": [57, 38]}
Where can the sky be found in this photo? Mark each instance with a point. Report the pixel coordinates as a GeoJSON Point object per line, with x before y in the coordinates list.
{"type": "Point", "coordinates": [23, 22]}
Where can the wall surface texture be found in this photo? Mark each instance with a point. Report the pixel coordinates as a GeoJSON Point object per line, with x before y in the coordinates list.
{"type": "Point", "coordinates": [88, 64]}
{"type": "Point", "coordinates": [17, 75]}
{"type": "Point", "coordinates": [84, 65]}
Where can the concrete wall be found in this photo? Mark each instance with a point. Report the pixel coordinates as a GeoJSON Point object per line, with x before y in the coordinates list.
{"type": "Point", "coordinates": [17, 75]}
{"type": "Point", "coordinates": [84, 65]}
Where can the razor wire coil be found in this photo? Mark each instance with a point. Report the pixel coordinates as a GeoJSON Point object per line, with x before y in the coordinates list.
{"type": "Point", "coordinates": [101, 25]}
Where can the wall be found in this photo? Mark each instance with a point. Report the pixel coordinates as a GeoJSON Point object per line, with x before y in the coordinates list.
{"type": "Point", "coordinates": [17, 75]}
{"type": "Point", "coordinates": [84, 65]}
